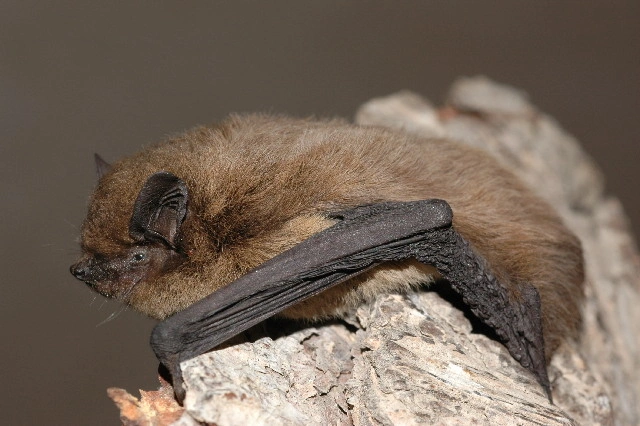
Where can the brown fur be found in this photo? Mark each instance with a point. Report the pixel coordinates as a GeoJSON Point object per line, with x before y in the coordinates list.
{"type": "Point", "coordinates": [260, 184]}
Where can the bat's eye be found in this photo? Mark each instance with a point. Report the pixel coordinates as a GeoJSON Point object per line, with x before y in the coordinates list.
{"type": "Point", "coordinates": [138, 257]}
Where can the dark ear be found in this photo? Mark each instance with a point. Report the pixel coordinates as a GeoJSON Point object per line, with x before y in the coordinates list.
{"type": "Point", "coordinates": [159, 210]}
{"type": "Point", "coordinates": [102, 167]}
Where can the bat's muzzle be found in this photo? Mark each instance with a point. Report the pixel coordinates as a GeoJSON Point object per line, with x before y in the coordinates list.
{"type": "Point", "coordinates": [86, 271]}
{"type": "Point", "coordinates": [80, 270]}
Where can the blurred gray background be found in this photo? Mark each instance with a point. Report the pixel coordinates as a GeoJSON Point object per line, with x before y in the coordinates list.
{"type": "Point", "coordinates": [78, 78]}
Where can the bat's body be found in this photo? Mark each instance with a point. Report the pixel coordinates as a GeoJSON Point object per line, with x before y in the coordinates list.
{"type": "Point", "coordinates": [240, 193]}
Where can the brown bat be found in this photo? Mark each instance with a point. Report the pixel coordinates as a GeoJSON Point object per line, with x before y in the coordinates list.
{"type": "Point", "coordinates": [222, 227]}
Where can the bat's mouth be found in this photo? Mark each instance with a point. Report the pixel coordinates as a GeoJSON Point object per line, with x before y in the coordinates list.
{"type": "Point", "coordinates": [103, 290]}
{"type": "Point", "coordinates": [113, 290]}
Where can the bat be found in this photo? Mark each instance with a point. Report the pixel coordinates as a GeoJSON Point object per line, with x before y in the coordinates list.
{"type": "Point", "coordinates": [219, 228]}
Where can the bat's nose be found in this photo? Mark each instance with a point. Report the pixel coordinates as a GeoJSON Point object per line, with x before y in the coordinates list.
{"type": "Point", "coordinates": [80, 270]}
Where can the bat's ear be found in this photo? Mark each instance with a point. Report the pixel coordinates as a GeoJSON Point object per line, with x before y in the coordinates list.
{"type": "Point", "coordinates": [159, 210]}
{"type": "Point", "coordinates": [102, 167]}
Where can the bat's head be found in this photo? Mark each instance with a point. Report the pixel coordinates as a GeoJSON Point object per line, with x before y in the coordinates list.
{"type": "Point", "coordinates": [118, 256]}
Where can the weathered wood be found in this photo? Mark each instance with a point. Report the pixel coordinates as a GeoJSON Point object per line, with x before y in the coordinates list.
{"type": "Point", "coordinates": [415, 359]}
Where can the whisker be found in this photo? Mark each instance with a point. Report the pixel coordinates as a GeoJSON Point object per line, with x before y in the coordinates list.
{"type": "Point", "coordinates": [95, 297]}
{"type": "Point", "coordinates": [111, 317]}
{"type": "Point", "coordinates": [73, 225]}
{"type": "Point", "coordinates": [104, 302]}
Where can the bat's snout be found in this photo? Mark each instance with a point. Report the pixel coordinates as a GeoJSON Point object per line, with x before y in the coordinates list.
{"type": "Point", "coordinates": [99, 277]}
{"type": "Point", "coordinates": [84, 270]}
{"type": "Point", "coordinates": [80, 270]}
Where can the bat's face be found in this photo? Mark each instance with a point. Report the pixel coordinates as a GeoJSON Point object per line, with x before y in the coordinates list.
{"type": "Point", "coordinates": [116, 275]}
{"type": "Point", "coordinates": [119, 259]}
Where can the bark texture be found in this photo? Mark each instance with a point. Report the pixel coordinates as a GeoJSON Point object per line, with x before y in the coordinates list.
{"type": "Point", "coordinates": [414, 359]}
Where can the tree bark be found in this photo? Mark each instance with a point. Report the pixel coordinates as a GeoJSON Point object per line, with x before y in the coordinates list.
{"type": "Point", "coordinates": [414, 359]}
